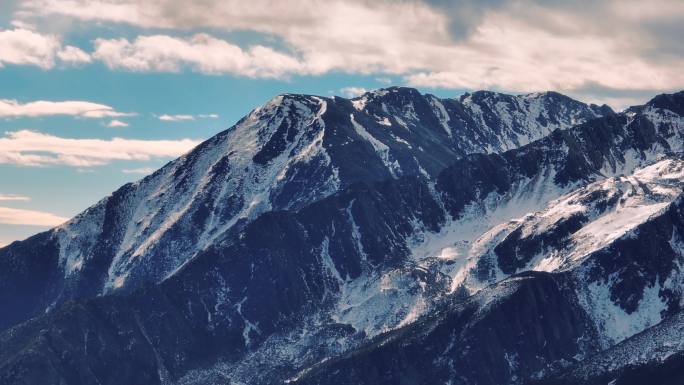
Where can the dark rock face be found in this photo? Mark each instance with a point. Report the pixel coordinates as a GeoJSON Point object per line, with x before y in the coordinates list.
{"type": "Point", "coordinates": [36, 258]}
{"type": "Point", "coordinates": [646, 259]}
{"type": "Point", "coordinates": [651, 357]}
{"type": "Point", "coordinates": [290, 239]}
{"type": "Point", "coordinates": [673, 102]}
{"type": "Point", "coordinates": [516, 250]}
{"type": "Point", "coordinates": [511, 330]}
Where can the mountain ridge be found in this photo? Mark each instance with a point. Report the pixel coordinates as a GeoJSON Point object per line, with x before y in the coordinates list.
{"type": "Point", "coordinates": [325, 276]}
{"type": "Point", "coordinates": [190, 187]}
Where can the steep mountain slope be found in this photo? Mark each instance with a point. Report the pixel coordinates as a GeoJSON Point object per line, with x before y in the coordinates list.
{"type": "Point", "coordinates": [290, 152]}
{"type": "Point", "coordinates": [619, 236]}
{"type": "Point", "coordinates": [655, 356]}
{"type": "Point", "coordinates": [511, 330]}
{"type": "Point", "coordinates": [304, 280]}
{"type": "Point", "coordinates": [619, 288]}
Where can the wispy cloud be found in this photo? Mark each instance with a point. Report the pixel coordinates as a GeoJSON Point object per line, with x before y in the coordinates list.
{"type": "Point", "coordinates": [11, 216]}
{"type": "Point", "coordinates": [31, 148]}
{"type": "Point", "coordinates": [175, 118]}
{"type": "Point", "coordinates": [141, 170]}
{"type": "Point", "coordinates": [14, 197]}
{"type": "Point", "coordinates": [117, 123]}
{"type": "Point", "coordinates": [178, 118]}
{"type": "Point", "coordinates": [21, 24]}
{"type": "Point", "coordinates": [351, 92]}
{"type": "Point", "coordinates": [13, 109]}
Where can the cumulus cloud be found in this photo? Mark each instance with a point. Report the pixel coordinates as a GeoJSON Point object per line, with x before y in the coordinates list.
{"type": "Point", "coordinates": [202, 53]}
{"type": "Point", "coordinates": [519, 46]}
{"type": "Point", "coordinates": [11, 216]}
{"type": "Point", "coordinates": [14, 109]}
{"type": "Point", "coordinates": [21, 46]}
{"type": "Point", "coordinates": [116, 123]}
{"type": "Point", "coordinates": [31, 148]}
{"type": "Point", "coordinates": [14, 197]}
{"type": "Point", "coordinates": [26, 47]}
{"type": "Point", "coordinates": [351, 92]}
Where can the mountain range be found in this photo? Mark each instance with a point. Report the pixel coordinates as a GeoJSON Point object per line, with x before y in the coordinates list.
{"type": "Point", "coordinates": [392, 238]}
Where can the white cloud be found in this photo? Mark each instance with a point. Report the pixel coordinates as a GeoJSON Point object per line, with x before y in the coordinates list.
{"type": "Point", "coordinates": [201, 53]}
{"type": "Point", "coordinates": [74, 55]}
{"type": "Point", "coordinates": [175, 118]}
{"type": "Point", "coordinates": [10, 216]}
{"type": "Point", "coordinates": [21, 24]}
{"type": "Point", "coordinates": [30, 148]}
{"type": "Point", "coordinates": [182, 117]}
{"type": "Point", "coordinates": [14, 109]}
{"type": "Point", "coordinates": [141, 170]}
{"type": "Point", "coordinates": [351, 92]}
{"type": "Point", "coordinates": [21, 46]}
{"type": "Point", "coordinates": [14, 197]}
{"type": "Point", "coordinates": [507, 54]}
{"type": "Point", "coordinates": [117, 123]}
{"type": "Point", "coordinates": [519, 46]}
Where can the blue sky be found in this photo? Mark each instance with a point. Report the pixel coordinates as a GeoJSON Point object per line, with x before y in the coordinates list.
{"type": "Point", "coordinates": [162, 75]}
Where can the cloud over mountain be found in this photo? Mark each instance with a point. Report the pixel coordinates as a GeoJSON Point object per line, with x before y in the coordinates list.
{"type": "Point", "coordinates": [626, 46]}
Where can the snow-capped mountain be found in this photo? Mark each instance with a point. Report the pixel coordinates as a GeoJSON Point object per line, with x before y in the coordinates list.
{"type": "Point", "coordinates": [486, 240]}
{"type": "Point", "coordinates": [290, 152]}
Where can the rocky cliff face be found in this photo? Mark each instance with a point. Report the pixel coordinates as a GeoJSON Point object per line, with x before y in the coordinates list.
{"type": "Point", "coordinates": [505, 332]}
{"type": "Point", "coordinates": [381, 239]}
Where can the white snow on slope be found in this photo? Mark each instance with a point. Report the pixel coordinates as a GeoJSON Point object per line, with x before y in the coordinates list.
{"type": "Point", "coordinates": [614, 322]}
{"type": "Point", "coordinates": [440, 112]}
{"type": "Point", "coordinates": [639, 196]}
{"type": "Point", "coordinates": [381, 148]}
{"type": "Point", "coordinates": [164, 200]}
{"type": "Point", "coordinates": [524, 118]}
{"type": "Point", "coordinates": [462, 243]}
{"type": "Point", "coordinates": [654, 345]}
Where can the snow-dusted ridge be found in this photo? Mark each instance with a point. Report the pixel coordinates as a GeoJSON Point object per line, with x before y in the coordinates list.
{"type": "Point", "coordinates": [316, 225]}
{"type": "Point", "coordinates": [279, 157]}
{"type": "Point", "coordinates": [564, 235]}
{"type": "Point", "coordinates": [219, 181]}
{"type": "Point", "coordinates": [607, 209]}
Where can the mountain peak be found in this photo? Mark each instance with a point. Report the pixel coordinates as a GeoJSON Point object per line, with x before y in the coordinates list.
{"type": "Point", "coordinates": [673, 102]}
